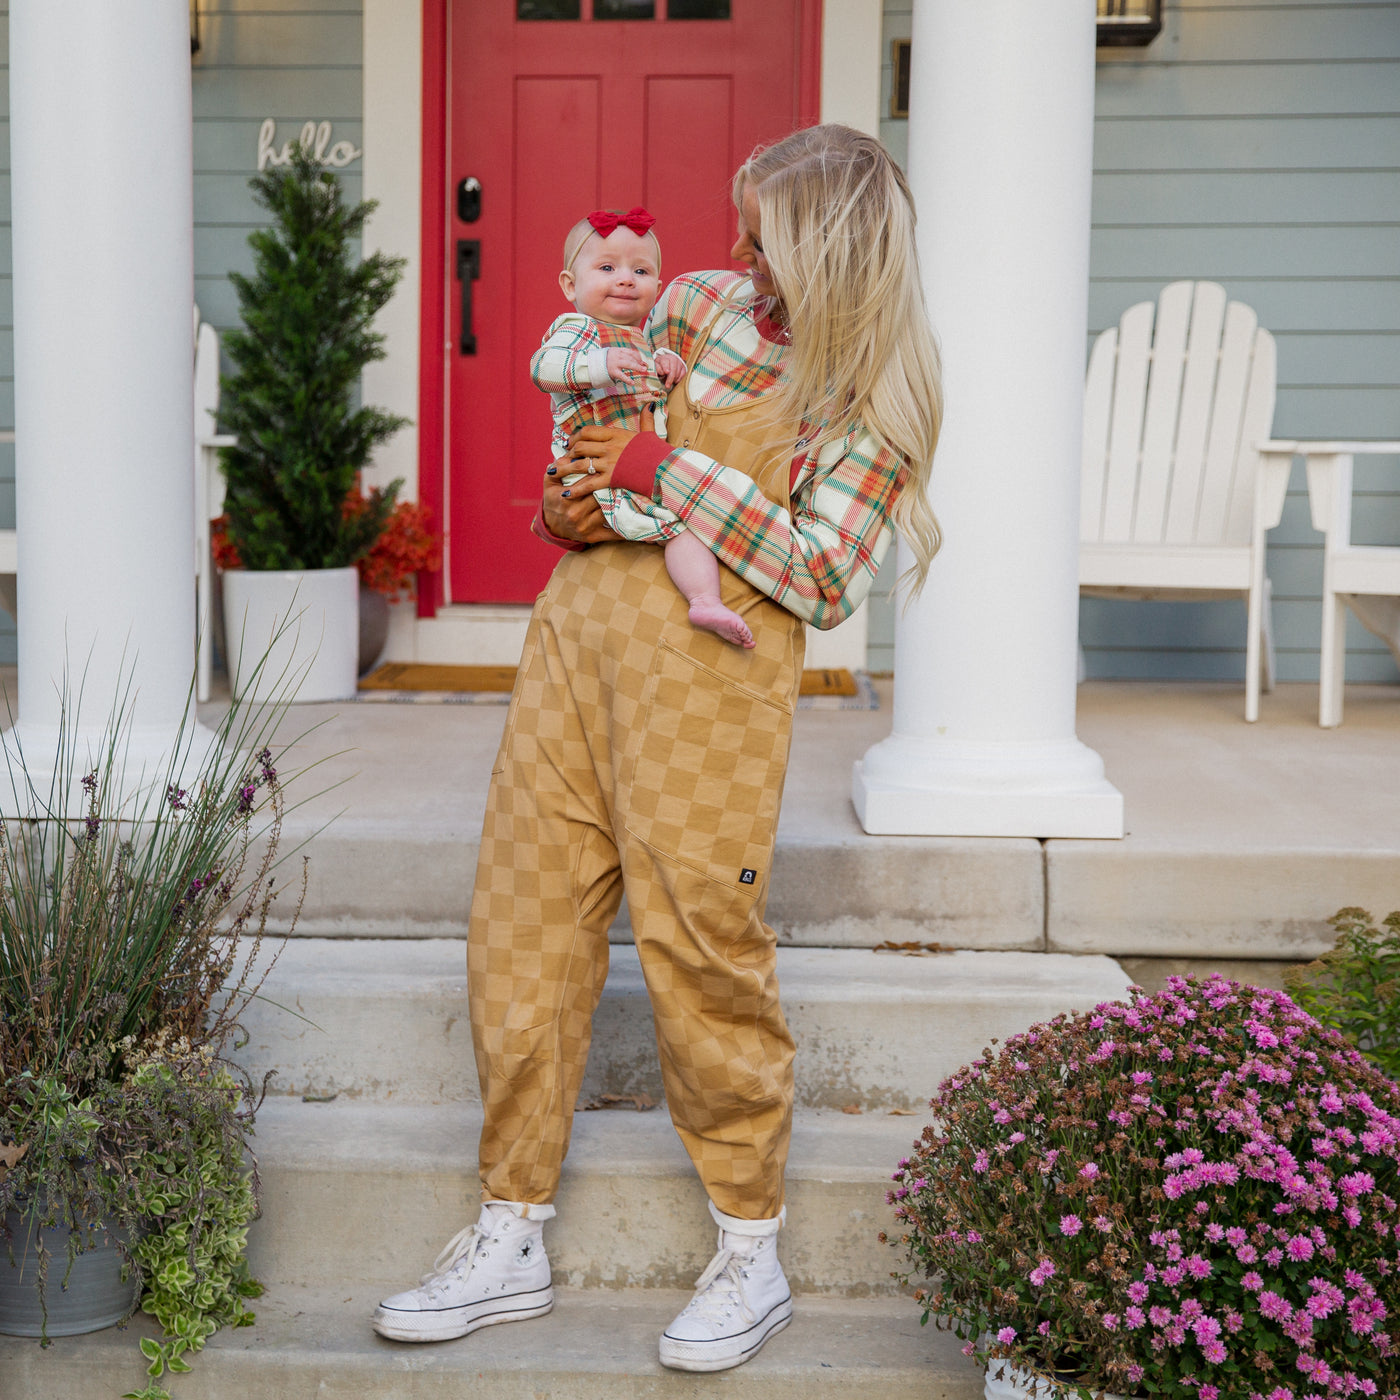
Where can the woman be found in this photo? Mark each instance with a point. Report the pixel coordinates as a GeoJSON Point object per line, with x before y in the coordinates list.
{"type": "Point", "coordinates": [643, 754]}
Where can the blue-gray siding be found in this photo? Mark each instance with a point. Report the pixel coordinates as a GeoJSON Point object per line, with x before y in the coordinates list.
{"type": "Point", "coordinates": [295, 60]}
{"type": "Point", "coordinates": [1256, 143]}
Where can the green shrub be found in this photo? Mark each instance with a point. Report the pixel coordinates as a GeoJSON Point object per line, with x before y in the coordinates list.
{"type": "Point", "coordinates": [1355, 986]}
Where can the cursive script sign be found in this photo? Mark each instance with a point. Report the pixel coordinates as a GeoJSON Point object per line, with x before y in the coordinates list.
{"type": "Point", "coordinates": [315, 137]}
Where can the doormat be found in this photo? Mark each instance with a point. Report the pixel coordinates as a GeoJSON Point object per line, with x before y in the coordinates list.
{"type": "Point", "coordinates": [423, 683]}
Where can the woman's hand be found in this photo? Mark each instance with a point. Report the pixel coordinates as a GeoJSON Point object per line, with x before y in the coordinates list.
{"type": "Point", "coordinates": [596, 450]}
{"type": "Point", "coordinates": [572, 515]}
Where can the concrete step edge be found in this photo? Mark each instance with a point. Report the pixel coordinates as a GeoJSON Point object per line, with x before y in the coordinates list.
{"type": "Point", "coordinates": [312, 1344]}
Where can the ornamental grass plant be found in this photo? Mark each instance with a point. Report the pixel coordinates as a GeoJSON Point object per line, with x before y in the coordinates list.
{"type": "Point", "coordinates": [1193, 1195]}
{"type": "Point", "coordinates": [133, 909]}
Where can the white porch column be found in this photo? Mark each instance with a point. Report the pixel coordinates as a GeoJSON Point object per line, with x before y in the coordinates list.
{"type": "Point", "coordinates": [101, 152]}
{"type": "Point", "coordinates": [1000, 160]}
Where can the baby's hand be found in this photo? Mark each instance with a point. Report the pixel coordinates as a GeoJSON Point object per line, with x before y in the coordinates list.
{"type": "Point", "coordinates": [670, 368]}
{"type": "Point", "coordinates": [625, 364]}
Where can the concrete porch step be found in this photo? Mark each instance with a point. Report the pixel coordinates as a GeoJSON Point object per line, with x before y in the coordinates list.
{"type": "Point", "coordinates": [368, 1193]}
{"type": "Point", "coordinates": [387, 1020]}
{"type": "Point", "coordinates": [317, 1345]}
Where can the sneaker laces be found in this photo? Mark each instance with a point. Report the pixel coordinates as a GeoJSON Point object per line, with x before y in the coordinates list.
{"type": "Point", "coordinates": [460, 1249]}
{"type": "Point", "coordinates": [720, 1288]}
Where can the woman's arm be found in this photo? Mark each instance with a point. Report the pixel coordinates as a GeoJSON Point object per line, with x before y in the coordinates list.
{"type": "Point", "coordinates": [818, 560]}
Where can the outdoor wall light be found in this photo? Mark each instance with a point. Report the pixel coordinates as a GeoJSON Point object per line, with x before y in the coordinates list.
{"type": "Point", "coordinates": [1123, 23]}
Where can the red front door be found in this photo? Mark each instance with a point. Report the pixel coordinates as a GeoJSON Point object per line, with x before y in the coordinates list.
{"type": "Point", "coordinates": [616, 103]}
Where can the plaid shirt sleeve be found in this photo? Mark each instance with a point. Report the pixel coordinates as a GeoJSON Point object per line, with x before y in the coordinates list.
{"type": "Point", "coordinates": [678, 317]}
{"type": "Point", "coordinates": [820, 559]}
{"type": "Point", "coordinates": [560, 365]}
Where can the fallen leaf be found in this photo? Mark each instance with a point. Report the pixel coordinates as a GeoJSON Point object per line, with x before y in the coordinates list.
{"type": "Point", "coordinates": [902, 1112]}
{"type": "Point", "coordinates": [10, 1156]}
{"type": "Point", "coordinates": [852, 1108]}
{"type": "Point", "coordinates": [911, 949]}
{"type": "Point", "coordinates": [640, 1102]}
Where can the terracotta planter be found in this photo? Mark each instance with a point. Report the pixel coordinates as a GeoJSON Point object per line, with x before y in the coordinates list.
{"type": "Point", "coordinates": [1005, 1382]}
{"type": "Point", "coordinates": [87, 1298]}
{"type": "Point", "coordinates": [304, 629]}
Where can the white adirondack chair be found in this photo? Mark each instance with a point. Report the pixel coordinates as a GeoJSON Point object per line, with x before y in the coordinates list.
{"type": "Point", "coordinates": [208, 488]}
{"type": "Point", "coordinates": [1365, 578]}
{"type": "Point", "coordinates": [1175, 496]}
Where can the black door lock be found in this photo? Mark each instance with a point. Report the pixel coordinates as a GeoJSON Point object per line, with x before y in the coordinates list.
{"type": "Point", "coordinates": [469, 200]}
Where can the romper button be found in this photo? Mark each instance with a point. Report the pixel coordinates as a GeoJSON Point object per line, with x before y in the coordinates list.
{"type": "Point", "coordinates": [694, 412]}
{"type": "Point", "coordinates": [686, 443]}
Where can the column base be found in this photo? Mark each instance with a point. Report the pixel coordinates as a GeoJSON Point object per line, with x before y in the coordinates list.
{"type": "Point", "coordinates": [925, 787]}
{"type": "Point", "coordinates": [53, 763]}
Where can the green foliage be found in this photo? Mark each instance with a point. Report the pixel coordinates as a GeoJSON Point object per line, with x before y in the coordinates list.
{"type": "Point", "coordinates": [1354, 987]}
{"type": "Point", "coordinates": [198, 1201]}
{"type": "Point", "coordinates": [133, 909]}
{"type": "Point", "coordinates": [291, 400]}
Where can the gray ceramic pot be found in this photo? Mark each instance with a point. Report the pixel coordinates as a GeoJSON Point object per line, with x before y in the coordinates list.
{"type": "Point", "coordinates": [89, 1296]}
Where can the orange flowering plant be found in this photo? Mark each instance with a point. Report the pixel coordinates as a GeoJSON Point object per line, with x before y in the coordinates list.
{"type": "Point", "coordinates": [408, 545]}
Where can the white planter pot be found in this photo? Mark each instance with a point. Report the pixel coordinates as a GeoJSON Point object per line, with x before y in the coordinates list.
{"type": "Point", "coordinates": [1006, 1383]}
{"type": "Point", "coordinates": [316, 613]}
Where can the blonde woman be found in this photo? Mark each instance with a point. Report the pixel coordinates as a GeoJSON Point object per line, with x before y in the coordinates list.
{"type": "Point", "coordinates": [644, 755]}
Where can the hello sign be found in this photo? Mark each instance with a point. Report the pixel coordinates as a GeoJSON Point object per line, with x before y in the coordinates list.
{"type": "Point", "coordinates": [315, 137]}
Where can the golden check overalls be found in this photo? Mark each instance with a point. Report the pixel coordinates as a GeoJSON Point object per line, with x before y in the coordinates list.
{"type": "Point", "coordinates": [646, 755]}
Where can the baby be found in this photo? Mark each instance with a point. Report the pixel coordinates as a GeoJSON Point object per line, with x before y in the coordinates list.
{"type": "Point", "coordinates": [594, 364]}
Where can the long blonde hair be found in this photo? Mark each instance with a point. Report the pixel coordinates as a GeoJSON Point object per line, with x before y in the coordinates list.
{"type": "Point", "coordinates": [837, 227]}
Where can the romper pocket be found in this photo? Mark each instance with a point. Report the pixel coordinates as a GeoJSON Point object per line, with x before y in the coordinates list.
{"type": "Point", "coordinates": [707, 780]}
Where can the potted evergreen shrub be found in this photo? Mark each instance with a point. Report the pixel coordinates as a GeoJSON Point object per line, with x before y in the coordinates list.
{"type": "Point", "coordinates": [1191, 1195]}
{"type": "Point", "coordinates": [302, 438]}
{"type": "Point", "coordinates": [130, 942]}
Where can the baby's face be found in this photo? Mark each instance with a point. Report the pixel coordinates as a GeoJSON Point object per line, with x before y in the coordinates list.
{"type": "Point", "coordinates": [615, 279]}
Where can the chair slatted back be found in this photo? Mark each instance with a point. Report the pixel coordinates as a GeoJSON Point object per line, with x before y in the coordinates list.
{"type": "Point", "coordinates": [1177, 396]}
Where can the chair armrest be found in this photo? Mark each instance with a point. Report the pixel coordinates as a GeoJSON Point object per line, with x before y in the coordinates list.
{"type": "Point", "coordinates": [1271, 486]}
{"type": "Point", "coordinates": [1296, 448]}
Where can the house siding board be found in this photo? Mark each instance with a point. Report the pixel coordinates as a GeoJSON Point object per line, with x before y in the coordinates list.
{"type": "Point", "coordinates": [298, 62]}
{"type": "Point", "coordinates": [1254, 143]}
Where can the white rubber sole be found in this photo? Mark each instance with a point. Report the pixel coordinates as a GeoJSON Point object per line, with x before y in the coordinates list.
{"type": "Point", "coordinates": [726, 1352]}
{"type": "Point", "coordinates": [446, 1324]}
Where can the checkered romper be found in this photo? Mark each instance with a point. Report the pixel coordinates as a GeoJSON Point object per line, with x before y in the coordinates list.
{"type": "Point", "coordinates": [646, 755]}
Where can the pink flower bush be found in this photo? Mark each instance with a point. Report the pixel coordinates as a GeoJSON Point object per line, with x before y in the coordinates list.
{"type": "Point", "coordinates": [1240, 1166]}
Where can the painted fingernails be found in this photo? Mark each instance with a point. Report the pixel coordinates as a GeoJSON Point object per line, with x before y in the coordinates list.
{"type": "Point", "coordinates": [566, 492]}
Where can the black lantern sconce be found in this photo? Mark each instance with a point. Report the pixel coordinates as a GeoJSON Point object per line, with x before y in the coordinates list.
{"type": "Point", "coordinates": [194, 27]}
{"type": "Point", "coordinates": [1128, 23]}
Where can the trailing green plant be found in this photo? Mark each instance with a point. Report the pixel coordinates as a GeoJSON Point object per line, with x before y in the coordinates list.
{"type": "Point", "coordinates": [133, 913]}
{"type": "Point", "coordinates": [198, 1203]}
{"type": "Point", "coordinates": [291, 401]}
{"type": "Point", "coordinates": [1354, 987]}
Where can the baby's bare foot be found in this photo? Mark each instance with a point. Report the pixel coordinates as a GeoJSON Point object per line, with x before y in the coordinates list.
{"type": "Point", "coordinates": [713, 616]}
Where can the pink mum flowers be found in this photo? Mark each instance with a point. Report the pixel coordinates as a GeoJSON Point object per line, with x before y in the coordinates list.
{"type": "Point", "coordinates": [1239, 1170]}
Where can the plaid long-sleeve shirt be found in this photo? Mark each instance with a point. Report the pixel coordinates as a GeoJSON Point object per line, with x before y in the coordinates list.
{"type": "Point", "coordinates": [817, 560]}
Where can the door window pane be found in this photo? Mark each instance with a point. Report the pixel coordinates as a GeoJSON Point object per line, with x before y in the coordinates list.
{"type": "Point", "coordinates": [546, 9]}
{"type": "Point", "coordinates": [698, 9]}
{"type": "Point", "coordinates": [624, 9]}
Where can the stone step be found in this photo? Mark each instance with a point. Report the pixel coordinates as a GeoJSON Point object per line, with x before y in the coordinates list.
{"type": "Point", "coordinates": [387, 1020]}
{"type": "Point", "coordinates": [317, 1345]}
{"type": "Point", "coordinates": [369, 1193]}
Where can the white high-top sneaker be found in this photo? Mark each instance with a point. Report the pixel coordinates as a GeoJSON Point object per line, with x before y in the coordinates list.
{"type": "Point", "coordinates": [740, 1300]}
{"type": "Point", "coordinates": [493, 1271]}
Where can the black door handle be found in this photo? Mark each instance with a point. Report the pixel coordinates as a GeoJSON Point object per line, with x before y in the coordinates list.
{"type": "Point", "coordinates": [468, 270]}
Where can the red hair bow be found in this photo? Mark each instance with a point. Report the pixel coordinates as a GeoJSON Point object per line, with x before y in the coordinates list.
{"type": "Point", "coordinates": [636, 218]}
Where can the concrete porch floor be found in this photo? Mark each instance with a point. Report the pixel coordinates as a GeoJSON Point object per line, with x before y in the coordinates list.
{"type": "Point", "coordinates": [1242, 839]}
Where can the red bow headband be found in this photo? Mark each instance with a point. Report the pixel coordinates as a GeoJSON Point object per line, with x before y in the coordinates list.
{"type": "Point", "coordinates": [636, 218]}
